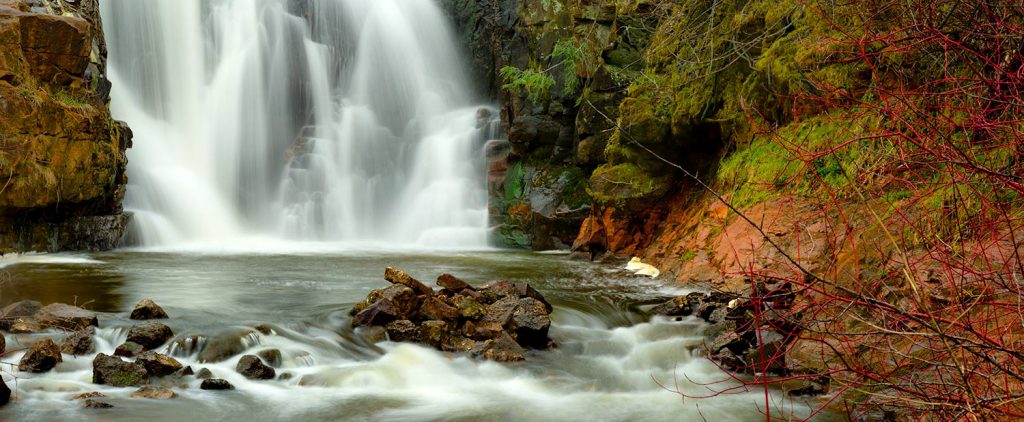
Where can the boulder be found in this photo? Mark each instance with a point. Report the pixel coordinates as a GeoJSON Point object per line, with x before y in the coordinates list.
{"type": "Point", "coordinates": [469, 308]}
{"type": "Point", "coordinates": [253, 368]}
{"type": "Point", "coordinates": [147, 309]}
{"type": "Point", "coordinates": [129, 350]}
{"type": "Point", "coordinates": [677, 306]}
{"type": "Point", "coordinates": [225, 345]}
{"type": "Point", "coordinates": [154, 392]}
{"type": "Point", "coordinates": [25, 326]}
{"type": "Point", "coordinates": [96, 404]}
{"type": "Point", "coordinates": [500, 312]}
{"type": "Point", "coordinates": [452, 283]}
{"type": "Point", "coordinates": [379, 313]}
{"type": "Point", "coordinates": [403, 300]}
{"type": "Point", "coordinates": [216, 384]}
{"type": "Point", "coordinates": [433, 332]}
{"type": "Point", "coordinates": [150, 335]}
{"type": "Point", "coordinates": [78, 344]}
{"type": "Point", "coordinates": [501, 349]}
{"type": "Point", "coordinates": [113, 371]}
{"type": "Point", "coordinates": [526, 290]}
{"type": "Point", "coordinates": [42, 357]}
{"type": "Point", "coordinates": [185, 372]}
{"type": "Point", "coordinates": [5, 393]}
{"type": "Point", "coordinates": [204, 374]}
{"type": "Point", "coordinates": [89, 395]}
{"type": "Point", "coordinates": [531, 322]}
{"type": "Point", "coordinates": [434, 308]}
{"type": "Point", "coordinates": [271, 356]}
{"type": "Point", "coordinates": [158, 365]}
{"type": "Point", "coordinates": [401, 277]}
{"type": "Point", "coordinates": [767, 354]}
{"type": "Point", "coordinates": [403, 330]}
{"type": "Point", "coordinates": [497, 290]}
{"type": "Point", "coordinates": [65, 317]}
{"type": "Point", "coordinates": [22, 309]}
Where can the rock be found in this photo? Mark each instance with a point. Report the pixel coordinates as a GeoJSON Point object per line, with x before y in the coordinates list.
{"type": "Point", "coordinates": [25, 326]}
{"type": "Point", "coordinates": [158, 365]}
{"type": "Point", "coordinates": [22, 309]}
{"type": "Point", "coordinates": [204, 374]}
{"type": "Point", "coordinates": [469, 308]}
{"type": "Point", "coordinates": [78, 344]}
{"type": "Point", "coordinates": [809, 389]}
{"type": "Point", "coordinates": [452, 283]}
{"type": "Point", "coordinates": [271, 356]}
{"type": "Point", "coordinates": [42, 357]}
{"type": "Point", "coordinates": [497, 290]}
{"type": "Point", "coordinates": [89, 395]}
{"type": "Point", "coordinates": [767, 355]}
{"type": "Point", "coordinates": [379, 313]}
{"type": "Point", "coordinates": [216, 384]}
{"type": "Point", "coordinates": [500, 312]}
{"type": "Point", "coordinates": [530, 322]}
{"type": "Point", "coordinates": [154, 392]}
{"type": "Point", "coordinates": [113, 371]}
{"type": "Point", "coordinates": [5, 393]}
{"type": "Point", "coordinates": [734, 342]}
{"type": "Point", "coordinates": [435, 309]}
{"type": "Point", "coordinates": [373, 334]}
{"type": "Point", "coordinates": [501, 349]}
{"type": "Point", "coordinates": [185, 372]}
{"type": "Point", "coordinates": [401, 277]}
{"type": "Point", "coordinates": [677, 306]}
{"type": "Point", "coordinates": [402, 331]}
{"type": "Point", "coordinates": [96, 404]}
{"type": "Point", "coordinates": [225, 345]}
{"type": "Point", "coordinates": [65, 317]}
{"type": "Point", "coordinates": [285, 376]}
{"type": "Point", "coordinates": [433, 332]}
{"type": "Point", "coordinates": [147, 309]}
{"type": "Point", "coordinates": [525, 290]}
{"type": "Point", "coordinates": [150, 335]}
{"type": "Point", "coordinates": [129, 350]}
{"type": "Point", "coordinates": [487, 331]}
{"type": "Point", "coordinates": [457, 343]}
{"type": "Point", "coordinates": [403, 300]}
{"type": "Point", "coordinates": [3, 344]}
{"type": "Point", "coordinates": [253, 368]}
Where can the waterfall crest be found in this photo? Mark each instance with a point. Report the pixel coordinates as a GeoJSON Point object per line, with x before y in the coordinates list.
{"type": "Point", "coordinates": [325, 120]}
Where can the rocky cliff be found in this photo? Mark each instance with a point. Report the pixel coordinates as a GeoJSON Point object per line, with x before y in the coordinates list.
{"type": "Point", "coordinates": [62, 156]}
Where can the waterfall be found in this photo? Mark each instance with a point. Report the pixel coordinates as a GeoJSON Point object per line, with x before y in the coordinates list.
{"type": "Point", "coordinates": [316, 120]}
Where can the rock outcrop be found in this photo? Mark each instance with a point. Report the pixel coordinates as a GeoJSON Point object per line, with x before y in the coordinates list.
{"type": "Point", "coordinates": [62, 156]}
{"type": "Point", "coordinates": [497, 321]}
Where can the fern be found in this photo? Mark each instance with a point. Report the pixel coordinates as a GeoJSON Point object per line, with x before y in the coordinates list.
{"type": "Point", "coordinates": [570, 54]}
{"type": "Point", "coordinates": [536, 83]}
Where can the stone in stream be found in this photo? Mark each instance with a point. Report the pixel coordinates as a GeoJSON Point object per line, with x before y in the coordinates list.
{"type": "Point", "coordinates": [253, 368]}
{"type": "Point", "coordinates": [25, 326]}
{"type": "Point", "coordinates": [271, 356]}
{"type": "Point", "coordinates": [531, 322]}
{"type": "Point", "coordinates": [770, 356]}
{"type": "Point", "coordinates": [677, 306]}
{"type": "Point", "coordinates": [401, 277]}
{"type": "Point", "coordinates": [158, 365]}
{"type": "Point", "coordinates": [185, 372]}
{"type": "Point", "coordinates": [78, 344]}
{"type": "Point", "coordinates": [5, 393]}
{"type": "Point", "coordinates": [434, 308]}
{"type": "Point", "coordinates": [113, 371]}
{"type": "Point", "coordinates": [204, 374]}
{"type": "Point", "coordinates": [150, 335]}
{"type": "Point", "coordinates": [89, 395]}
{"type": "Point", "coordinates": [42, 357]}
{"type": "Point", "coordinates": [403, 300]}
{"type": "Point", "coordinates": [216, 384]}
{"type": "Point", "coordinates": [226, 344]}
{"type": "Point", "coordinates": [154, 392]}
{"type": "Point", "coordinates": [378, 313]}
{"type": "Point", "coordinates": [22, 309]}
{"type": "Point", "coordinates": [500, 312]}
{"type": "Point", "coordinates": [147, 309]}
{"type": "Point", "coordinates": [402, 331]}
{"type": "Point", "coordinates": [526, 290]}
{"type": "Point", "coordinates": [3, 344]}
{"type": "Point", "coordinates": [452, 283]}
{"type": "Point", "coordinates": [96, 404]}
{"type": "Point", "coordinates": [65, 317]}
{"type": "Point", "coordinates": [497, 290]}
{"type": "Point", "coordinates": [129, 350]}
{"type": "Point", "coordinates": [469, 308]}
{"type": "Point", "coordinates": [502, 349]}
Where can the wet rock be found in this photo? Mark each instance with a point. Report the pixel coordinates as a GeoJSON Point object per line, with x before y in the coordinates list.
{"type": "Point", "coordinates": [767, 354]}
{"type": "Point", "coordinates": [78, 344]}
{"type": "Point", "coordinates": [150, 335]}
{"type": "Point", "coordinates": [469, 308]}
{"type": "Point", "coordinates": [225, 345]}
{"type": "Point", "coordinates": [89, 395]}
{"type": "Point", "coordinates": [402, 331]}
{"type": "Point", "coordinates": [500, 312]}
{"type": "Point", "coordinates": [501, 349]}
{"type": "Point", "coordinates": [379, 313]}
{"type": "Point", "coordinates": [253, 368]}
{"type": "Point", "coordinates": [155, 393]}
{"type": "Point", "coordinates": [129, 350]}
{"type": "Point", "coordinates": [526, 290]}
{"type": "Point", "coordinates": [271, 356]}
{"type": "Point", "coordinates": [677, 306]}
{"type": "Point", "coordinates": [22, 309]}
{"type": "Point", "coordinates": [158, 365]}
{"type": "Point", "coordinates": [147, 309]}
{"type": "Point", "coordinates": [204, 374]}
{"type": "Point", "coordinates": [216, 384]}
{"type": "Point", "coordinates": [96, 404]}
{"type": "Point", "coordinates": [809, 389]}
{"type": "Point", "coordinates": [65, 317]}
{"type": "Point", "coordinates": [401, 277]}
{"type": "Point", "coordinates": [25, 326]}
{"type": "Point", "coordinates": [456, 343]}
{"type": "Point", "coordinates": [452, 283]}
{"type": "Point", "coordinates": [487, 331]}
{"type": "Point", "coordinates": [435, 309]}
{"type": "Point", "coordinates": [403, 300]}
{"type": "Point", "coordinates": [531, 323]}
{"type": "Point", "coordinates": [3, 344]}
{"type": "Point", "coordinates": [5, 393]}
{"type": "Point", "coordinates": [285, 376]}
{"type": "Point", "coordinates": [185, 372]}
{"type": "Point", "coordinates": [497, 290]}
{"type": "Point", "coordinates": [433, 332]}
{"type": "Point", "coordinates": [731, 340]}
{"type": "Point", "coordinates": [113, 371]}
{"type": "Point", "coordinates": [42, 357]}
{"type": "Point", "coordinates": [374, 334]}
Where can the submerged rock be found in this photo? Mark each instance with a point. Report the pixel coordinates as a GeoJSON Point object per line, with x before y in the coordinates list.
{"type": "Point", "coordinates": [158, 365]}
{"type": "Point", "coordinates": [96, 404]}
{"type": "Point", "coordinates": [154, 392]}
{"type": "Point", "coordinates": [78, 344]}
{"type": "Point", "coordinates": [42, 357]}
{"type": "Point", "coordinates": [65, 317]}
{"type": "Point", "coordinates": [253, 368]}
{"type": "Point", "coordinates": [216, 384]}
{"type": "Point", "coordinates": [271, 356]}
{"type": "Point", "coordinates": [204, 374]}
{"type": "Point", "coordinates": [147, 309]}
{"type": "Point", "coordinates": [129, 350]}
{"type": "Point", "coordinates": [113, 371]}
{"type": "Point", "coordinates": [150, 335]}
{"type": "Point", "coordinates": [225, 345]}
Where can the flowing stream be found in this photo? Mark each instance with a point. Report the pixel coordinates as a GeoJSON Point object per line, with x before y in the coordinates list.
{"type": "Point", "coordinates": [605, 368]}
{"type": "Point", "coordinates": [325, 120]}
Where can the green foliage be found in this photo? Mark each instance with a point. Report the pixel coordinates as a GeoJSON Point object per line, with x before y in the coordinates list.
{"type": "Point", "coordinates": [570, 53]}
{"type": "Point", "coordinates": [536, 83]}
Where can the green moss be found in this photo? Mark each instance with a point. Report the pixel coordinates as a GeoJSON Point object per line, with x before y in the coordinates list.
{"type": "Point", "coordinates": [626, 184]}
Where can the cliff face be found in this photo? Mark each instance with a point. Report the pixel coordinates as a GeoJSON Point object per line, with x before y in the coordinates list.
{"type": "Point", "coordinates": [62, 156]}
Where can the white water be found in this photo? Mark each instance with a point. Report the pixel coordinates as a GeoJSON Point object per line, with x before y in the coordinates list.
{"type": "Point", "coordinates": [319, 120]}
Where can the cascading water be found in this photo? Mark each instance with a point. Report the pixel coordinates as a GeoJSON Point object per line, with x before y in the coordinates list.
{"type": "Point", "coordinates": [330, 120]}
